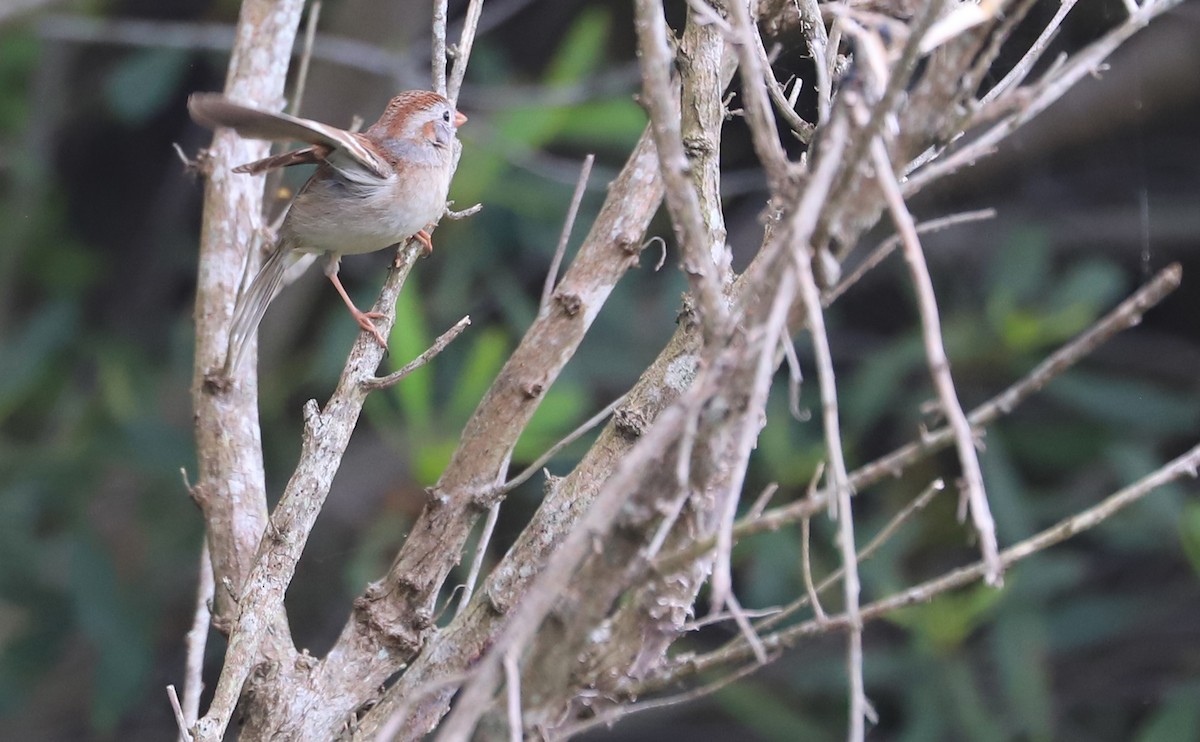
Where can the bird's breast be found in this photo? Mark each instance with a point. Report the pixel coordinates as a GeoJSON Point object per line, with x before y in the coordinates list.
{"type": "Point", "coordinates": [347, 217]}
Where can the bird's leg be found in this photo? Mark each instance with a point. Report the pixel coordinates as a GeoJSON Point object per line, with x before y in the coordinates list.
{"type": "Point", "coordinates": [426, 242]}
{"type": "Point", "coordinates": [362, 318]}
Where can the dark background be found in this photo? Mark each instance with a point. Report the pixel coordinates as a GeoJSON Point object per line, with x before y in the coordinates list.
{"type": "Point", "coordinates": [1097, 639]}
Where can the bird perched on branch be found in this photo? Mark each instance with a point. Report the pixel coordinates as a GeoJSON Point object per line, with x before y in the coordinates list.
{"type": "Point", "coordinates": [370, 190]}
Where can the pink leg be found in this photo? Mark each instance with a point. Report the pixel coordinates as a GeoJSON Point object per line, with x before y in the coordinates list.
{"type": "Point", "coordinates": [425, 240]}
{"type": "Point", "coordinates": [362, 318]}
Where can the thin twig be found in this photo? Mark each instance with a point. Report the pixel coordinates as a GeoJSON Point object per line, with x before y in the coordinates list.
{"type": "Point", "coordinates": [1128, 314]}
{"type": "Point", "coordinates": [1022, 68]}
{"type": "Point", "coordinates": [795, 376]}
{"type": "Point", "coordinates": [813, 29]}
{"type": "Point", "coordinates": [565, 236]}
{"type": "Point", "coordinates": [554, 450]}
{"type": "Point", "coordinates": [806, 569]}
{"type": "Point", "coordinates": [763, 499]}
{"type": "Point", "coordinates": [485, 537]}
{"type": "Point", "coordinates": [839, 482]}
{"type": "Point", "coordinates": [197, 639]}
{"type": "Point", "coordinates": [462, 50]}
{"type": "Point", "coordinates": [888, 246]}
{"type": "Point", "coordinates": [1048, 89]}
{"type": "Point", "coordinates": [939, 366]}
{"type": "Point", "coordinates": [548, 585]}
{"type": "Point", "coordinates": [180, 723]}
{"type": "Point", "coordinates": [310, 35]}
{"type": "Point", "coordinates": [438, 54]}
{"type": "Point", "coordinates": [785, 105]}
{"type": "Point", "coordinates": [918, 503]}
{"type": "Point", "coordinates": [512, 686]}
{"type": "Point", "coordinates": [660, 99]}
{"type": "Point", "coordinates": [683, 472]}
{"type": "Point", "coordinates": [376, 383]}
{"type": "Point", "coordinates": [610, 716]}
{"type": "Point", "coordinates": [469, 211]}
{"type": "Point", "coordinates": [747, 435]}
{"type": "Point", "coordinates": [764, 135]}
{"type": "Point", "coordinates": [1185, 465]}
{"type": "Point", "coordinates": [746, 628]}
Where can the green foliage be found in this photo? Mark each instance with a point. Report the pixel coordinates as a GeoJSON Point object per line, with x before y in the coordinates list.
{"type": "Point", "coordinates": [980, 663]}
{"type": "Point", "coordinates": [143, 83]}
{"type": "Point", "coordinates": [945, 622]}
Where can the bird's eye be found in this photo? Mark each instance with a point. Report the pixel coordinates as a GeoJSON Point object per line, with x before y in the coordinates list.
{"type": "Point", "coordinates": [446, 116]}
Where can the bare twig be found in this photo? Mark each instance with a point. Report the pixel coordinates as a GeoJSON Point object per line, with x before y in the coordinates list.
{"type": "Point", "coordinates": [485, 537]}
{"type": "Point", "coordinates": [659, 99]}
{"type": "Point", "coordinates": [610, 716]}
{"type": "Point", "coordinates": [180, 723]}
{"type": "Point", "coordinates": [683, 470]}
{"type": "Point", "coordinates": [811, 598]}
{"type": "Point", "coordinates": [438, 55]}
{"type": "Point", "coordinates": [815, 36]}
{"type": "Point", "coordinates": [839, 482]}
{"type": "Point", "coordinates": [462, 50]}
{"type": "Point", "coordinates": [747, 630]}
{"type": "Point", "coordinates": [565, 236]}
{"type": "Point", "coordinates": [888, 246]}
{"type": "Point", "coordinates": [1128, 314]}
{"type": "Point", "coordinates": [939, 366]}
{"type": "Point", "coordinates": [722, 579]}
{"type": "Point", "coordinates": [554, 450]}
{"type": "Point", "coordinates": [755, 83]}
{"type": "Point", "coordinates": [1023, 67]}
{"type": "Point", "coordinates": [548, 585]}
{"type": "Point", "coordinates": [763, 499]}
{"type": "Point", "coordinates": [1046, 91]}
{"type": "Point", "coordinates": [310, 34]}
{"type": "Point", "coordinates": [376, 383]}
{"type": "Point", "coordinates": [1185, 465]}
{"type": "Point", "coordinates": [806, 569]}
{"type": "Point", "coordinates": [512, 686]}
{"type": "Point", "coordinates": [197, 636]}
{"type": "Point", "coordinates": [469, 211]}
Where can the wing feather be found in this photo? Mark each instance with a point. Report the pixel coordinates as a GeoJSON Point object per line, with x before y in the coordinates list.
{"type": "Point", "coordinates": [212, 110]}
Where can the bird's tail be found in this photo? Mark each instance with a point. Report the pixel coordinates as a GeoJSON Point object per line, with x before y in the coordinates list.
{"type": "Point", "coordinates": [252, 305]}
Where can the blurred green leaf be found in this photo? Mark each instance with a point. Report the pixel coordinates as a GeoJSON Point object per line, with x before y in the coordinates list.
{"type": "Point", "coordinates": [1021, 652]}
{"type": "Point", "coordinates": [975, 720]}
{"type": "Point", "coordinates": [19, 56]}
{"type": "Point", "coordinates": [410, 337]}
{"type": "Point", "coordinates": [1189, 533]}
{"type": "Point", "coordinates": [488, 352]}
{"type": "Point", "coordinates": [23, 364]}
{"type": "Point", "coordinates": [1129, 404]}
{"type": "Point", "coordinates": [118, 634]}
{"type": "Point", "coordinates": [430, 457]}
{"type": "Point", "coordinates": [1178, 718]}
{"type": "Point", "coordinates": [144, 82]}
{"type": "Point", "coordinates": [560, 412]}
{"type": "Point", "coordinates": [758, 708]}
{"type": "Point", "coordinates": [1019, 272]}
{"type": "Point", "coordinates": [946, 621]}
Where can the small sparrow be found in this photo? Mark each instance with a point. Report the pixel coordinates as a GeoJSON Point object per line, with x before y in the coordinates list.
{"type": "Point", "coordinates": [369, 191]}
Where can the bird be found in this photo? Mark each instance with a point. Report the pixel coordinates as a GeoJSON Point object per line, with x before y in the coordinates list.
{"type": "Point", "coordinates": [370, 190]}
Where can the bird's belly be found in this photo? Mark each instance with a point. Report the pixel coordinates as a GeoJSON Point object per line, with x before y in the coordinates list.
{"type": "Point", "coordinates": [346, 220]}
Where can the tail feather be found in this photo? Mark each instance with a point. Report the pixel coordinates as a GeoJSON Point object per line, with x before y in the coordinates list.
{"type": "Point", "coordinates": [252, 305]}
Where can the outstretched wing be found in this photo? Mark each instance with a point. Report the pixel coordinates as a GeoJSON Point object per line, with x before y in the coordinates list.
{"type": "Point", "coordinates": [304, 156]}
{"type": "Point", "coordinates": [212, 110]}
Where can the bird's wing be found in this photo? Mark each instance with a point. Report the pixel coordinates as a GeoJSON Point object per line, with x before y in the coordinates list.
{"type": "Point", "coordinates": [212, 110]}
{"type": "Point", "coordinates": [304, 156]}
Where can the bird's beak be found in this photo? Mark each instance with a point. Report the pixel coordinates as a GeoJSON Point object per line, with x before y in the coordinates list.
{"type": "Point", "coordinates": [459, 119]}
